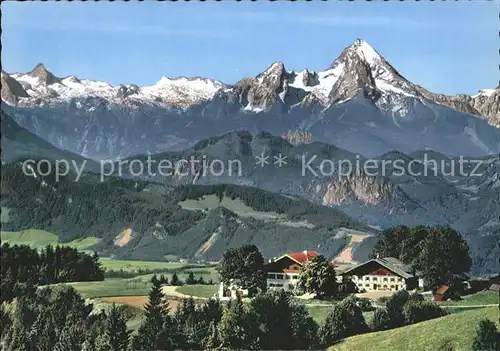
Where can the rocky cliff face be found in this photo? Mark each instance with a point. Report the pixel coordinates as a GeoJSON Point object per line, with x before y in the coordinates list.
{"type": "Point", "coordinates": [485, 104]}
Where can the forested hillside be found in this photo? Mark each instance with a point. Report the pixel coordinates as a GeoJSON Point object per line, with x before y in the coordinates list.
{"type": "Point", "coordinates": [159, 224]}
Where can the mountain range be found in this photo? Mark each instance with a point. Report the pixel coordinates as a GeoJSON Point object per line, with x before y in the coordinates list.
{"type": "Point", "coordinates": [360, 109]}
{"type": "Point", "coordinates": [360, 103]}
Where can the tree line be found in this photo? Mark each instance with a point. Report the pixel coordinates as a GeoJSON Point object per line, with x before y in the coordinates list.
{"type": "Point", "coordinates": [23, 268]}
{"type": "Point", "coordinates": [59, 319]}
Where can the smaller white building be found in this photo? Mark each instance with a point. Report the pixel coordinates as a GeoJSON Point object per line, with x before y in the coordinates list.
{"type": "Point", "coordinates": [231, 292]}
{"type": "Point", "coordinates": [283, 272]}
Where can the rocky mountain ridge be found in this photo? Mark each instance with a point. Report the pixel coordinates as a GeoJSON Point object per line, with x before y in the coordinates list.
{"type": "Point", "coordinates": [359, 69]}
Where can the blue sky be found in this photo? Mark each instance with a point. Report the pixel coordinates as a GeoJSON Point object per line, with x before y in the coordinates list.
{"type": "Point", "coordinates": [447, 47]}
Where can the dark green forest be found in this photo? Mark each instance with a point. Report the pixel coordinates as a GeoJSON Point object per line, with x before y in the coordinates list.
{"type": "Point", "coordinates": [23, 268]}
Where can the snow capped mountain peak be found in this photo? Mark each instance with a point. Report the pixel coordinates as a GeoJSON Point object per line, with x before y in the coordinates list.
{"type": "Point", "coordinates": [366, 52]}
{"type": "Point", "coordinates": [484, 92]}
{"type": "Point", "coordinates": [276, 67]}
{"type": "Point", "coordinates": [359, 51]}
{"type": "Point", "coordinates": [182, 91]}
{"type": "Point", "coordinates": [43, 86]}
{"type": "Point", "coordinates": [42, 74]}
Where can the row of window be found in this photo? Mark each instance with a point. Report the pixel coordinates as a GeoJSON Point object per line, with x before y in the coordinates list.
{"type": "Point", "coordinates": [384, 279]}
{"type": "Point", "coordinates": [282, 276]}
{"type": "Point", "coordinates": [392, 286]}
{"type": "Point", "coordinates": [278, 285]}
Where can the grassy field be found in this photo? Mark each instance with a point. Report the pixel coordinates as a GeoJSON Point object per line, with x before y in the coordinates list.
{"type": "Point", "coordinates": [319, 313]}
{"type": "Point", "coordinates": [198, 290]}
{"type": "Point", "coordinates": [113, 287]}
{"type": "Point", "coordinates": [485, 297]}
{"type": "Point", "coordinates": [134, 266]}
{"type": "Point", "coordinates": [40, 238]}
{"type": "Point", "coordinates": [452, 332]}
{"type": "Point", "coordinates": [140, 285]}
{"type": "Point", "coordinates": [237, 206]}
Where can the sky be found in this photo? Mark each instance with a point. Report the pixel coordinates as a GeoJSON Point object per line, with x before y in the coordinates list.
{"type": "Point", "coordinates": [448, 47]}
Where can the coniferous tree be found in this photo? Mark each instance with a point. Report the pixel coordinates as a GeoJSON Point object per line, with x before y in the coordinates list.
{"type": "Point", "coordinates": [213, 341]}
{"type": "Point", "coordinates": [43, 333]}
{"type": "Point", "coordinates": [381, 320]}
{"type": "Point", "coordinates": [175, 281]}
{"type": "Point", "coordinates": [18, 339]}
{"type": "Point", "coordinates": [71, 337]}
{"type": "Point", "coordinates": [487, 336]}
{"type": "Point", "coordinates": [116, 330]}
{"type": "Point", "coordinates": [191, 279]}
{"type": "Point", "coordinates": [238, 328]}
{"type": "Point", "coordinates": [156, 313]}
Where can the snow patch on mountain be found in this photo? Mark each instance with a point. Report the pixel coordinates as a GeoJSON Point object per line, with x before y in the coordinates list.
{"type": "Point", "coordinates": [484, 92]}
{"type": "Point", "coordinates": [178, 92]}
{"type": "Point", "coordinates": [326, 80]}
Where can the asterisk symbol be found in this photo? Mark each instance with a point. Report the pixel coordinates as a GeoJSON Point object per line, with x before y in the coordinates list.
{"type": "Point", "coordinates": [280, 160]}
{"type": "Point", "coordinates": [262, 160]}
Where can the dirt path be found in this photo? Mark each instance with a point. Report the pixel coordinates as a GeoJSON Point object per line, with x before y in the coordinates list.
{"type": "Point", "coordinates": [138, 301]}
{"type": "Point", "coordinates": [469, 306]}
{"type": "Point", "coordinates": [170, 290]}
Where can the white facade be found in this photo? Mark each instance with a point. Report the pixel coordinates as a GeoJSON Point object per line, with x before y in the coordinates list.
{"type": "Point", "coordinates": [379, 282]}
{"type": "Point", "coordinates": [230, 292]}
{"type": "Point", "coordinates": [286, 281]}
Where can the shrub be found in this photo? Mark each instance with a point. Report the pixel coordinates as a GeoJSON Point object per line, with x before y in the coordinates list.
{"type": "Point", "coordinates": [381, 320]}
{"type": "Point", "coordinates": [345, 319]}
{"type": "Point", "coordinates": [365, 304]}
{"type": "Point", "coordinates": [395, 306]}
{"type": "Point", "coordinates": [487, 336]}
{"type": "Point", "coordinates": [418, 311]}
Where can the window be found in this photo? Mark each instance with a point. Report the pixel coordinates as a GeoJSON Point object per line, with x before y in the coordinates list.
{"type": "Point", "coordinates": [295, 277]}
{"type": "Point", "coordinates": [367, 278]}
{"type": "Point", "coordinates": [393, 280]}
{"type": "Point", "coordinates": [367, 285]}
{"type": "Point", "coordinates": [374, 279]}
{"type": "Point", "coordinates": [385, 279]}
{"type": "Point", "coordinates": [279, 276]}
{"type": "Point", "coordinates": [271, 276]}
{"type": "Point", "coordinates": [287, 276]}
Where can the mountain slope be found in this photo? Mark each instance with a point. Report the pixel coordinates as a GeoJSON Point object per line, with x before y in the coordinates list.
{"type": "Point", "coordinates": [359, 97]}
{"type": "Point", "coordinates": [396, 188]}
{"type": "Point", "coordinates": [18, 144]}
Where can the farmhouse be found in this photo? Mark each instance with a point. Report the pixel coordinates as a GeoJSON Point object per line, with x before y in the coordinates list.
{"type": "Point", "coordinates": [386, 273]}
{"type": "Point", "coordinates": [231, 292]}
{"type": "Point", "coordinates": [283, 272]}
